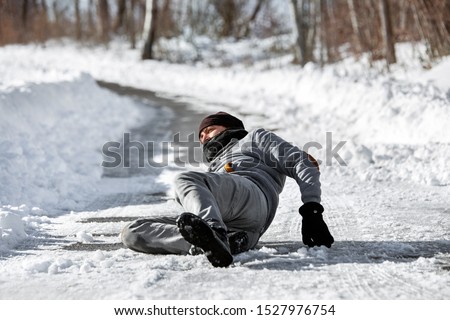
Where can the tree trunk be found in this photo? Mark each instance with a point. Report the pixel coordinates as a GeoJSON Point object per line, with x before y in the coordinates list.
{"type": "Point", "coordinates": [44, 6]}
{"type": "Point", "coordinates": [402, 18]}
{"type": "Point", "coordinates": [132, 24]}
{"type": "Point", "coordinates": [56, 14]}
{"type": "Point", "coordinates": [44, 9]}
{"type": "Point", "coordinates": [320, 31]}
{"type": "Point", "coordinates": [310, 28]}
{"type": "Point", "coordinates": [24, 20]}
{"type": "Point", "coordinates": [251, 21]}
{"type": "Point", "coordinates": [430, 20]}
{"type": "Point", "coordinates": [331, 32]}
{"type": "Point", "coordinates": [121, 14]}
{"type": "Point", "coordinates": [43, 18]}
{"type": "Point", "coordinates": [151, 15]}
{"type": "Point", "coordinates": [77, 20]}
{"type": "Point", "coordinates": [386, 28]}
{"type": "Point", "coordinates": [299, 33]}
{"type": "Point", "coordinates": [104, 19]}
{"type": "Point", "coordinates": [166, 23]}
{"type": "Point", "coordinates": [24, 13]}
{"type": "Point", "coordinates": [356, 27]}
{"type": "Point", "coordinates": [90, 18]}
{"type": "Point", "coordinates": [227, 10]}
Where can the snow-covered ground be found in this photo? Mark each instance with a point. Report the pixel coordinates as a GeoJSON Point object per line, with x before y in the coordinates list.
{"type": "Point", "coordinates": [386, 200]}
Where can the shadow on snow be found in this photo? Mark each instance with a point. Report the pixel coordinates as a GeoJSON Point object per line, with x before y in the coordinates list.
{"type": "Point", "coordinates": [293, 255]}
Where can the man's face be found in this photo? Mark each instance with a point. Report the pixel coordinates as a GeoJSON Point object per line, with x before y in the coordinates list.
{"type": "Point", "coordinates": [210, 132]}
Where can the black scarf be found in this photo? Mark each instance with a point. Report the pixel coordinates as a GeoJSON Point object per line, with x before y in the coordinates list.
{"type": "Point", "coordinates": [213, 146]}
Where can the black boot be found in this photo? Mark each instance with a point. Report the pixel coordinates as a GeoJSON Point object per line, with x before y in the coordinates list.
{"type": "Point", "coordinates": [238, 242]}
{"type": "Point", "coordinates": [213, 241]}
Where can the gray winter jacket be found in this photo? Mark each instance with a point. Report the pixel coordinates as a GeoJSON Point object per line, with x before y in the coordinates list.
{"type": "Point", "coordinates": [267, 160]}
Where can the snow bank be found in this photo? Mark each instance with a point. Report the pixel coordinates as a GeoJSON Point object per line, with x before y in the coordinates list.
{"type": "Point", "coordinates": [439, 75]}
{"type": "Point", "coordinates": [50, 148]}
{"type": "Point", "coordinates": [405, 106]}
{"type": "Point", "coordinates": [52, 137]}
{"type": "Point", "coordinates": [12, 228]}
{"type": "Point", "coordinates": [399, 118]}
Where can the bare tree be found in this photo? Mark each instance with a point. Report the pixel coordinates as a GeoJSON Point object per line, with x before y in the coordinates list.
{"type": "Point", "coordinates": [330, 29]}
{"type": "Point", "coordinates": [402, 13]}
{"type": "Point", "coordinates": [24, 13]}
{"type": "Point", "coordinates": [299, 31]}
{"type": "Point", "coordinates": [198, 18]}
{"type": "Point", "coordinates": [167, 23]}
{"type": "Point", "coordinates": [3, 13]}
{"type": "Point", "coordinates": [431, 18]}
{"type": "Point", "coordinates": [151, 16]}
{"type": "Point", "coordinates": [24, 19]}
{"type": "Point", "coordinates": [227, 9]}
{"type": "Point", "coordinates": [77, 20]}
{"type": "Point", "coordinates": [320, 22]}
{"type": "Point", "coordinates": [44, 9]}
{"type": "Point", "coordinates": [310, 17]}
{"type": "Point", "coordinates": [90, 17]}
{"type": "Point", "coordinates": [131, 23]}
{"type": "Point", "coordinates": [386, 28]}
{"type": "Point", "coordinates": [357, 31]}
{"type": "Point", "coordinates": [104, 20]}
{"type": "Point", "coordinates": [120, 16]}
{"type": "Point", "coordinates": [320, 26]}
{"type": "Point", "coordinates": [44, 6]}
{"type": "Point", "coordinates": [250, 23]}
{"type": "Point", "coordinates": [56, 14]}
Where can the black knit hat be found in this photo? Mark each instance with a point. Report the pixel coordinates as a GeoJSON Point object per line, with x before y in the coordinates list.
{"type": "Point", "coordinates": [220, 119]}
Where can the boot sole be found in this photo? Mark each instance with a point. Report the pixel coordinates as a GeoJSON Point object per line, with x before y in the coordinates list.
{"type": "Point", "coordinates": [197, 232]}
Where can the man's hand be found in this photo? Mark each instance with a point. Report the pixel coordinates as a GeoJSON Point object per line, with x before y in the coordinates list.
{"type": "Point", "coordinates": [314, 230]}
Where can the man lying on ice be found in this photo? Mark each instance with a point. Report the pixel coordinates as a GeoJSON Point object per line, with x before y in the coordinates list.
{"type": "Point", "coordinates": [229, 207]}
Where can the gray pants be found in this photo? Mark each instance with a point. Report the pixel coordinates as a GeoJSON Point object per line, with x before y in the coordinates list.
{"type": "Point", "coordinates": [224, 200]}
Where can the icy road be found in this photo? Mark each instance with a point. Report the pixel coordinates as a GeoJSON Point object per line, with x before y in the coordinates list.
{"type": "Point", "coordinates": [391, 238]}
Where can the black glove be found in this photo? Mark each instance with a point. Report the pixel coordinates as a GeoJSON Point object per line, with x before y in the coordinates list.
{"type": "Point", "coordinates": [314, 230]}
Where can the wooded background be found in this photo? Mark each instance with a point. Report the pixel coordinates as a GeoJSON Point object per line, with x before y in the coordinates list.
{"type": "Point", "coordinates": [325, 31]}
